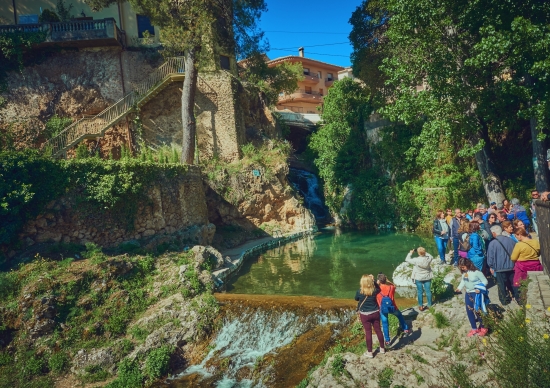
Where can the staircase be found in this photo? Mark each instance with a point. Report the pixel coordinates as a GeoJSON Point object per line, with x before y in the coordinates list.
{"type": "Point", "coordinates": [96, 126]}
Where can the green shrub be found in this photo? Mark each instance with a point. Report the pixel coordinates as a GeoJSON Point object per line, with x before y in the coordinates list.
{"type": "Point", "coordinates": [338, 366]}
{"type": "Point", "coordinates": [139, 333]}
{"type": "Point", "coordinates": [94, 373]}
{"type": "Point", "coordinates": [56, 124]}
{"type": "Point", "coordinates": [157, 362]}
{"type": "Point", "coordinates": [58, 362]}
{"type": "Point", "coordinates": [5, 359]}
{"type": "Point", "coordinates": [129, 375]}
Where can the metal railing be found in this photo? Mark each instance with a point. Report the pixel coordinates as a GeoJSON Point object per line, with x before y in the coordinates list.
{"type": "Point", "coordinates": [304, 91]}
{"type": "Point", "coordinates": [69, 26]}
{"type": "Point", "coordinates": [97, 125]}
{"type": "Point", "coordinates": [543, 223]}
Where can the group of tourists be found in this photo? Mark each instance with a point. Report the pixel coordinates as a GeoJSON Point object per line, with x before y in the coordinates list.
{"type": "Point", "coordinates": [487, 242]}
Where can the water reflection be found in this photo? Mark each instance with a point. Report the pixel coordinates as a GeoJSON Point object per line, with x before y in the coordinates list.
{"type": "Point", "coordinates": [329, 264]}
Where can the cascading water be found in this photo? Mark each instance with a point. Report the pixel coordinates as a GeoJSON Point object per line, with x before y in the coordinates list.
{"type": "Point", "coordinates": [248, 337]}
{"type": "Point", "coordinates": [308, 185]}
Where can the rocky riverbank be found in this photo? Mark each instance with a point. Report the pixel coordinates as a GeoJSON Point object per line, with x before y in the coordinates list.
{"type": "Point", "coordinates": [127, 319]}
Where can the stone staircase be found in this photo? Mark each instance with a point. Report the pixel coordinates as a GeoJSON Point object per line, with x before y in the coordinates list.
{"type": "Point", "coordinates": [96, 126]}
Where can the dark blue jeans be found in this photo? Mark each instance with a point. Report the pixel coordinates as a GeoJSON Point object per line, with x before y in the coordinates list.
{"type": "Point", "coordinates": [441, 244]}
{"type": "Point", "coordinates": [456, 240]}
{"type": "Point", "coordinates": [473, 317]}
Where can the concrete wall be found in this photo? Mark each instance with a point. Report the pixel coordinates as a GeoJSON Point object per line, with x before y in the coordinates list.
{"type": "Point", "coordinates": [173, 208]}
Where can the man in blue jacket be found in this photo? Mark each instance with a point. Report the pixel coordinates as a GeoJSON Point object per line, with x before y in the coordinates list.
{"type": "Point", "coordinates": [502, 267]}
{"type": "Point", "coordinates": [455, 225]}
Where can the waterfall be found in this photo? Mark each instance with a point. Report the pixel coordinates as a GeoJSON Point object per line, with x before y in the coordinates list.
{"type": "Point", "coordinates": [249, 335]}
{"type": "Point", "coordinates": [308, 185]}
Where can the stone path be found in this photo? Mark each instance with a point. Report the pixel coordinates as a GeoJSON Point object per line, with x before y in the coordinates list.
{"type": "Point", "coordinates": [235, 252]}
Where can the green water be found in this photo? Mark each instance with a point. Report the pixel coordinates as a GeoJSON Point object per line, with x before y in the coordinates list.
{"type": "Point", "coordinates": [329, 264]}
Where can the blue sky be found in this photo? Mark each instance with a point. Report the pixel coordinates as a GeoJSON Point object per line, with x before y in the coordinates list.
{"type": "Point", "coordinates": [289, 24]}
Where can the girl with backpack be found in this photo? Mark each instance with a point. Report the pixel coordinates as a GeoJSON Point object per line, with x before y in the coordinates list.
{"type": "Point", "coordinates": [476, 253]}
{"type": "Point", "coordinates": [369, 312]}
{"type": "Point", "coordinates": [386, 301]}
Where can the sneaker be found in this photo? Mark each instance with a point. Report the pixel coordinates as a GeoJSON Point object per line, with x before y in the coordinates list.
{"type": "Point", "coordinates": [369, 355]}
{"type": "Point", "coordinates": [443, 262]}
{"type": "Point", "coordinates": [482, 331]}
{"type": "Point", "coordinates": [382, 351]}
{"type": "Point", "coordinates": [406, 331]}
{"type": "Point", "coordinates": [387, 343]}
{"type": "Point", "coordinates": [421, 308]}
{"type": "Point", "coordinates": [472, 332]}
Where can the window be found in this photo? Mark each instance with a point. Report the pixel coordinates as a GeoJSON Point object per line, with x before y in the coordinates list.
{"type": "Point", "coordinates": [329, 76]}
{"type": "Point", "coordinates": [144, 24]}
{"type": "Point", "coordinates": [306, 71]}
{"type": "Point", "coordinates": [308, 89]}
{"type": "Point", "coordinates": [320, 91]}
{"type": "Point", "coordinates": [320, 75]}
{"type": "Point", "coordinates": [224, 62]}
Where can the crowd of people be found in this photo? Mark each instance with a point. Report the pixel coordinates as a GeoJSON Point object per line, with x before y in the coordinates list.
{"type": "Point", "coordinates": [486, 242]}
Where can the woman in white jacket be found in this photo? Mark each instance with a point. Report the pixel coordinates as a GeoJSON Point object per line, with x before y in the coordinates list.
{"type": "Point", "coordinates": [422, 275]}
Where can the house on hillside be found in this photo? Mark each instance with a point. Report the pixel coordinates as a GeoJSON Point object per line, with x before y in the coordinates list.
{"type": "Point", "coordinates": [318, 78]}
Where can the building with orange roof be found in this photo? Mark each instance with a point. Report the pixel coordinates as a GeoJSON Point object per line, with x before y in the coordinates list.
{"type": "Point", "coordinates": [318, 78]}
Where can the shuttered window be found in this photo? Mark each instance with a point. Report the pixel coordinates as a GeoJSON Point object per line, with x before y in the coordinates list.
{"type": "Point", "coordinates": [144, 24]}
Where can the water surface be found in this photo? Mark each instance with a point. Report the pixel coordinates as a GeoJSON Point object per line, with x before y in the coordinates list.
{"type": "Point", "coordinates": [329, 264]}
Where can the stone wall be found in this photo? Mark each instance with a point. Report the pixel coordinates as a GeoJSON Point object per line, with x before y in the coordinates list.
{"type": "Point", "coordinates": [174, 209]}
{"type": "Point", "coordinates": [73, 83]}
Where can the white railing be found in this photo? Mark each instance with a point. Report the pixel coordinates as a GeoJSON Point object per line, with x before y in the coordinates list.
{"type": "Point", "coordinates": [97, 125]}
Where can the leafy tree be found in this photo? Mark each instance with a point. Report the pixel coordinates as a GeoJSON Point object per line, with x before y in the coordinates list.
{"type": "Point", "coordinates": [370, 21]}
{"type": "Point", "coordinates": [429, 44]}
{"type": "Point", "coordinates": [271, 80]}
{"type": "Point", "coordinates": [199, 28]}
{"type": "Point", "coordinates": [515, 45]}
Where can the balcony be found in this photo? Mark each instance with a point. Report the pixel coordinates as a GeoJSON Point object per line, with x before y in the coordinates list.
{"type": "Point", "coordinates": [302, 95]}
{"type": "Point", "coordinates": [310, 79]}
{"type": "Point", "coordinates": [329, 82]}
{"type": "Point", "coordinates": [74, 33]}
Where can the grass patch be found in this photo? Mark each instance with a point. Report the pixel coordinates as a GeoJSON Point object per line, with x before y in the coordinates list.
{"type": "Point", "coordinates": [419, 358]}
{"type": "Point", "coordinates": [385, 378]}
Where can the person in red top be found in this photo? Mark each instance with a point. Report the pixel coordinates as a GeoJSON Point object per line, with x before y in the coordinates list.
{"type": "Point", "coordinates": [388, 289]}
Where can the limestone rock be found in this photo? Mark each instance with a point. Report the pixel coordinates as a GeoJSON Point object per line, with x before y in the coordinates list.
{"type": "Point", "coordinates": [104, 358]}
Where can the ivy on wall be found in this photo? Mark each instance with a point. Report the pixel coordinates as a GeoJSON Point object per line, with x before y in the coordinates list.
{"type": "Point", "coordinates": [12, 48]}
{"type": "Point", "coordinates": [29, 181]}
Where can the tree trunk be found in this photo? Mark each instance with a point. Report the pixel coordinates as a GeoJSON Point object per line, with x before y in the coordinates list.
{"type": "Point", "coordinates": [539, 158]}
{"type": "Point", "coordinates": [491, 181]}
{"type": "Point", "coordinates": [188, 106]}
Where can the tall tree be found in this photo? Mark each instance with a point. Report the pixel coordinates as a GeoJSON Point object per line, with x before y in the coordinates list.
{"type": "Point", "coordinates": [198, 28]}
{"type": "Point", "coordinates": [427, 44]}
{"type": "Point", "coordinates": [515, 44]}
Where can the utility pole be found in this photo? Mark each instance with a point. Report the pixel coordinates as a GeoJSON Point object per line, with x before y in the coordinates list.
{"type": "Point", "coordinates": [14, 12]}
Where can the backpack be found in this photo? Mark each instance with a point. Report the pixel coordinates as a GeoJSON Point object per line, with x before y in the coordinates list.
{"type": "Point", "coordinates": [386, 305]}
{"type": "Point", "coordinates": [464, 244]}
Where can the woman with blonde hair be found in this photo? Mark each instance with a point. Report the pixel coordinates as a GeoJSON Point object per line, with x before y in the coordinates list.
{"type": "Point", "coordinates": [369, 312]}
